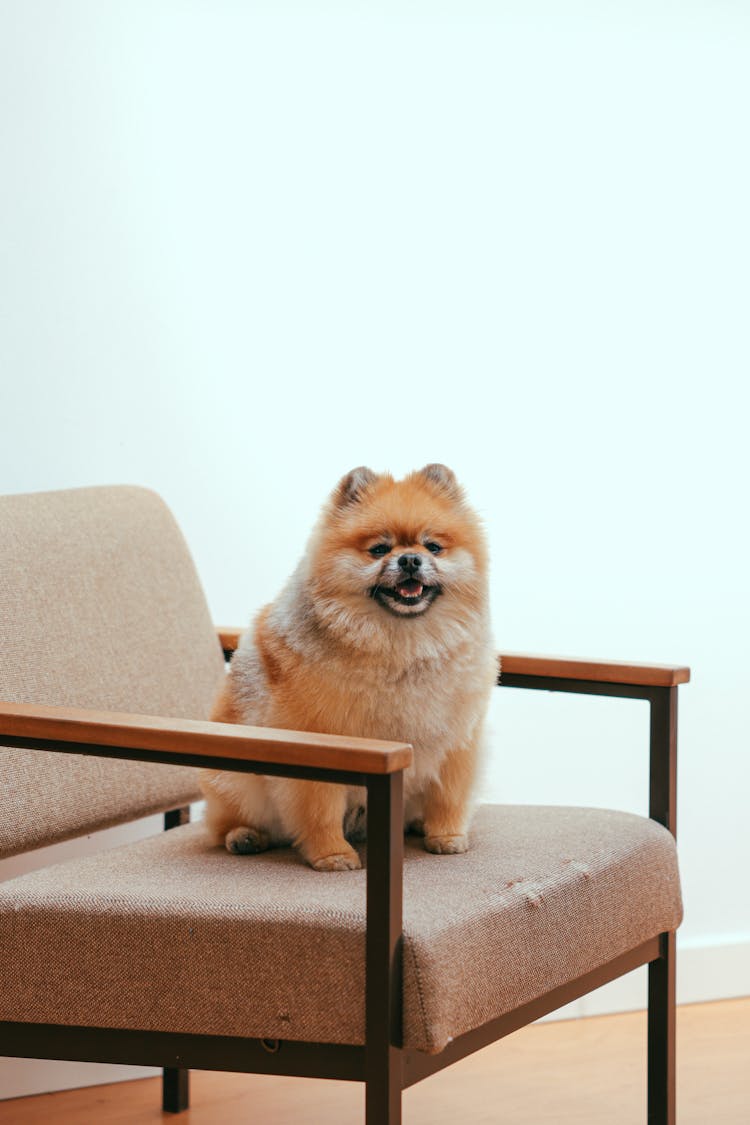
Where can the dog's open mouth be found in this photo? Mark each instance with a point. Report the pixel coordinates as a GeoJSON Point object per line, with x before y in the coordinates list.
{"type": "Point", "coordinates": [410, 594]}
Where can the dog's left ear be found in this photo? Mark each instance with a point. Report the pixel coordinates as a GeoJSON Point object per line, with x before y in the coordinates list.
{"type": "Point", "coordinates": [351, 488]}
{"type": "Point", "coordinates": [444, 478]}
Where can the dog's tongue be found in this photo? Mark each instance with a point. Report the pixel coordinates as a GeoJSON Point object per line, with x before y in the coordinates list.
{"type": "Point", "coordinates": [410, 589]}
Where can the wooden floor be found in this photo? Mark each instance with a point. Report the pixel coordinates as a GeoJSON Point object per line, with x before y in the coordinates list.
{"type": "Point", "coordinates": [587, 1072]}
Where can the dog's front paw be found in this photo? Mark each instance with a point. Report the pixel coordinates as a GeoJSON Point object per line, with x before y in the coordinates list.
{"type": "Point", "coordinates": [446, 845]}
{"type": "Point", "coordinates": [339, 861]}
{"type": "Point", "coordinates": [246, 840]}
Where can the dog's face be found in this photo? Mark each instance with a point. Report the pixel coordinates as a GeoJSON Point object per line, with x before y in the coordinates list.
{"type": "Point", "coordinates": [405, 549]}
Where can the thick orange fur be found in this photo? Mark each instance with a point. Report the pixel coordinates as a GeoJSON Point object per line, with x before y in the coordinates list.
{"type": "Point", "coordinates": [342, 651]}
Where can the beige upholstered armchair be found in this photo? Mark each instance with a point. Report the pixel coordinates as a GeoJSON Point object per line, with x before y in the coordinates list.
{"type": "Point", "coordinates": [172, 953]}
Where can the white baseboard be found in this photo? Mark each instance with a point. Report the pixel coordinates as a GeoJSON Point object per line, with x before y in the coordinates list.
{"type": "Point", "coordinates": [713, 968]}
{"type": "Point", "coordinates": [19, 1078]}
{"type": "Point", "coordinates": [716, 967]}
{"type": "Point", "coordinates": [709, 968]}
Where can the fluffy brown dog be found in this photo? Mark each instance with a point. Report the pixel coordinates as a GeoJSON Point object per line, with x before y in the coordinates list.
{"type": "Point", "coordinates": [383, 632]}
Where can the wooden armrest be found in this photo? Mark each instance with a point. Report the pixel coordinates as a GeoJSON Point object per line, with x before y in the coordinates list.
{"type": "Point", "coordinates": [602, 671]}
{"type": "Point", "coordinates": [229, 637]}
{"type": "Point", "coordinates": [554, 667]}
{"type": "Point", "coordinates": [192, 742]}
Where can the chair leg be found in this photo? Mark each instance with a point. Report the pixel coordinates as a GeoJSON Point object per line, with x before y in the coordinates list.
{"type": "Point", "coordinates": [175, 1083]}
{"type": "Point", "coordinates": [175, 1089]}
{"type": "Point", "coordinates": [383, 1001]}
{"type": "Point", "coordinates": [661, 1035]}
{"type": "Point", "coordinates": [383, 1090]}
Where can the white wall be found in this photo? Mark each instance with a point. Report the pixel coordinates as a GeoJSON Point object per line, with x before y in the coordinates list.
{"type": "Point", "coordinates": [248, 246]}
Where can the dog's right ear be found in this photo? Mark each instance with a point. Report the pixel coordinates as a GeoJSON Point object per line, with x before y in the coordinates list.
{"type": "Point", "coordinates": [352, 487]}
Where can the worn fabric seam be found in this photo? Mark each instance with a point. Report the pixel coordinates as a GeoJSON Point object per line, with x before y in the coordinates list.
{"type": "Point", "coordinates": [420, 998]}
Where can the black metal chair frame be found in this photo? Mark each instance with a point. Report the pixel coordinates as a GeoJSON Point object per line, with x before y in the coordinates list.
{"type": "Point", "coordinates": [382, 1064]}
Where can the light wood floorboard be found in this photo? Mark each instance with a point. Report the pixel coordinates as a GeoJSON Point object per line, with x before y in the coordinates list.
{"type": "Point", "coordinates": [574, 1072]}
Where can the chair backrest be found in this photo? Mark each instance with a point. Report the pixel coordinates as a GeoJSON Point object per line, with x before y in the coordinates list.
{"type": "Point", "coordinates": [100, 606]}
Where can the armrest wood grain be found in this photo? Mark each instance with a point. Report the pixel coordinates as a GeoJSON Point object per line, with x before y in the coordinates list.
{"type": "Point", "coordinates": [601, 671]}
{"type": "Point", "coordinates": [556, 667]}
{"type": "Point", "coordinates": [201, 740]}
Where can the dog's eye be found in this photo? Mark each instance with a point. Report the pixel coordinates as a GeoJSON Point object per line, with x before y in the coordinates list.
{"type": "Point", "coordinates": [379, 550]}
{"type": "Point", "coordinates": [434, 548]}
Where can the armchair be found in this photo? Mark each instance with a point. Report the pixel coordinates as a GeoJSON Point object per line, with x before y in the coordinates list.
{"type": "Point", "coordinates": [169, 953]}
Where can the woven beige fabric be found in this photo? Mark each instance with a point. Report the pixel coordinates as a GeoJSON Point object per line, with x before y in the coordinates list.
{"type": "Point", "coordinates": [168, 934]}
{"type": "Point", "coordinates": [100, 606]}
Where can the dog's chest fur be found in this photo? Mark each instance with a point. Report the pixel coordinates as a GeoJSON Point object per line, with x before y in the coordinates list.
{"type": "Point", "coordinates": [433, 702]}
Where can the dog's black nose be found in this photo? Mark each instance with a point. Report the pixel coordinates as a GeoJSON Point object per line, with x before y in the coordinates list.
{"type": "Point", "coordinates": [410, 563]}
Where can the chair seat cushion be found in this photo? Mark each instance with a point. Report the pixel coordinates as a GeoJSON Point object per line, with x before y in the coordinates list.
{"type": "Point", "coordinates": [171, 934]}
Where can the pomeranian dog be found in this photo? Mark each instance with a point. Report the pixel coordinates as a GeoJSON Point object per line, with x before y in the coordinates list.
{"type": "Point", "coordinates": [382, 632]}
